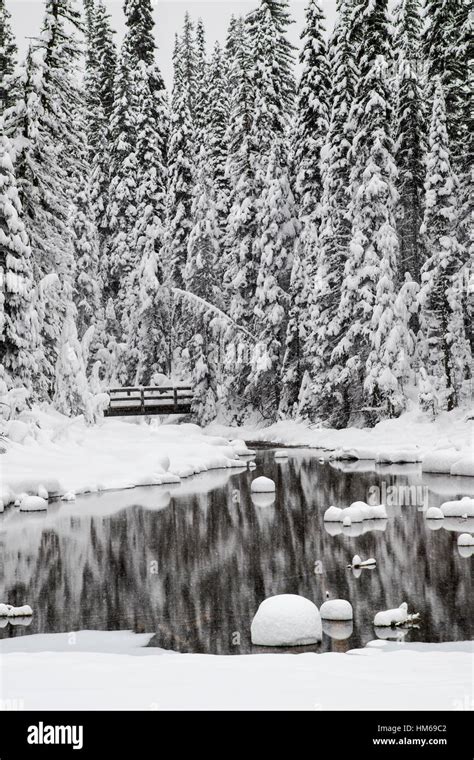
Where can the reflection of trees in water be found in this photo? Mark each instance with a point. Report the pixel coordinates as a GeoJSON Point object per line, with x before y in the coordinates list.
{"type": "Point", "coordinates": [195, 572]}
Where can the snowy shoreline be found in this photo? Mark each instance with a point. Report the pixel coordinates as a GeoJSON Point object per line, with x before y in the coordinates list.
{"type": "Point", "coordinates": [53, 456]}
{"type": "Point", "coordinates": [50, 455]}
{"type": "Point", "coordinates": [97, 670]}
{"type": "Point", "coordinates": [444, 445]}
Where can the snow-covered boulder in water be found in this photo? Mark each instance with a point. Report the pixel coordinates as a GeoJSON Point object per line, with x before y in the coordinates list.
{"type": "Point", "coordinates": [357, 512]}
{"type": "Point", "coordinates": [286, 620]}
{"type": "Point", "coordinates": [7, 610]}
{"type": "Point", "coordinates": [333, 514]}
{"type": "Point", "coordinates": [281, 454]}
{"type": "Point", "coordinates": [397, 616]}
{"type": "Point", "coordinates": [434, 513]}
{"type": "Point", "coordinates": [241, 448]}
{"type": "Point", "coordinates": [23, 611]}
{"type": "Point", "coordinates": [336, 609]}
{"type": "Point", "coordinates": [460, 508]}
{"type": "Point", "coordinates": [262, 485]}
{"type": "Point", "coordinates": [33, 504]}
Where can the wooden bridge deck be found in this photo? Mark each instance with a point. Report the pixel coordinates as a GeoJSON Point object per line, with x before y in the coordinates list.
{"type": "Point", "coordinates": [161, 399]}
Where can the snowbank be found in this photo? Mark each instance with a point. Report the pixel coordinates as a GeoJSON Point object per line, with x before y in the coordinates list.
{"type": "Point", "coordinates": [286, 620]}
{"type": "Point", "coordinates": [97, 671]}
{"type": "Point", "coordinates": [52, 455]}
{"type": "Point", "coordinates": [443, 445]}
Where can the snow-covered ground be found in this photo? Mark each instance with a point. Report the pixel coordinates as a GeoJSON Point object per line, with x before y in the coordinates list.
{"type": "Point", "coordinates": [48, 454]}
{"type": "Point", "coordinates": [101, 670]}
{"type": "Point", "coordinates": [443, 445]}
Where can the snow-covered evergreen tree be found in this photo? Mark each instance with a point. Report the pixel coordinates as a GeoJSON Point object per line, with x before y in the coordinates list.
{"type": "Point", "coordinates": [46, 154]}
{"type": "Point", "coordinates": [272, 79]}
{"type": "Point", "coordinates": [71, 392]}
{"type": "Point", "coordinates": [330, 241]}
{"type": "Point", "coordinates": [200, 279]}
{"type": "Point", "coordinates": [180, 170]}
{"type": "Point", "coordinates": [146, 237]}
{"type": "Point", "coordinates": [275, 248]}
{"type": "Point", "coordinates": [446, 51]}
{"type": "Point", "coordinates": [19, 342]}
{"type": "Point", "coordinates": [240, 278]}
{"type": "Point", "coordinates": [370, 270]}
{"type": "Point", "coordinates": [199, 91]}
{"type": "Point", "coordinates": [101, 64]}
{"type": "Point", "coordinates": [188, 60]}
{"type": "Point", "coordinates": [310, 135]}
{"type": "Point", "coordinates": [410, 135]}
{"type": "Point", "coordinates": [216, 131]}
{"type": "Point", "coordinates": [8, 52]}
{"type": "Point", "coordinates": [121, 202]}
{"type": "Point", "coordinates": [446, 351]}
{"type": "Point", "coordinates": [312, 112]}
{"type": "Point", "coordinates": [88, 283]}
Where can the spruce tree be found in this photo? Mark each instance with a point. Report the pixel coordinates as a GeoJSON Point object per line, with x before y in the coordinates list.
{"type": "Point", "coordinates": [121, 201]}
{"type": "Point", "coordinates": [180, 171]}
{"type": "Point", "coordinates": [310, 135]}
{"type": "Point", "coordinates": [240, 279]}
{"type": "Point", "coordinates": [46, 152]}
{"type": "Point", "coordinates": [150, 116]}
{"type": "Point", "coordinates": [446, 351]}
{"type": "Point", "coordinates": [200, 279]}
{"type": "Point", "coordinates": [199, 91]}
{"type": "Point", "coordinates": [8, 53]}
{"type": "Point", "coordinates": [446, 51]}
{"type": "Point", "coordinates": [19, 342]}
{"type": "Point", "coordinates": [101, 64]}
{"type": "Point", "coordinates": [312, 115]}
{"type": "Point", "coordinates": [410, 136]}
{"type": "Point", "coordinates": [332, 239]}
{"type": "Point", "coordinates": [272, 78]}
{"type": "Point", "coordinates": [371, 266]}
{"type": "Point", "coordinates": [275, 248]}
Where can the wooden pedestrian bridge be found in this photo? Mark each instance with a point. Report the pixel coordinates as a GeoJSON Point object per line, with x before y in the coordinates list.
{"type": "Point", "coordinates": [150, 399]}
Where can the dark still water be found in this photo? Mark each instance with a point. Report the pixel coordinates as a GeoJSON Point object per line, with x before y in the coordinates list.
{"type": "Point", "coordinates": [191, 563]}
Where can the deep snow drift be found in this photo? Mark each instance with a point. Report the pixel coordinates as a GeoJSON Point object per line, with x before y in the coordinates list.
{"type": "Point", "coordinates": [100, 670]}
{"type": "Point", "coordinates": [441, 445]}
{"type": "Point", "coordinates": [48, 454]}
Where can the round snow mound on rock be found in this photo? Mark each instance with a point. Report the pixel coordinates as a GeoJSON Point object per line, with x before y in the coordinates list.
{"type": "Point", "coordinates": [333, 514]}
{"type": "Point", "coordinates": [33, 504]}
{"type": "Point", "coordinates": [465, 539]}
{"type": "Point", "coordinates": [434, 513]}
{"type": "Point", "coordinates": [286, 620]}
{"type": "Point", "coordinates": [281, 454]}
{"type": "Point", "coordinates": [262, 485]}
{"type": "Point", "coordinates": [336, 609]}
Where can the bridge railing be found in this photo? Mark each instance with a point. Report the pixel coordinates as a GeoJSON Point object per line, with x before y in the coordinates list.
{"type": "Point", "coordinates": [150, 399]}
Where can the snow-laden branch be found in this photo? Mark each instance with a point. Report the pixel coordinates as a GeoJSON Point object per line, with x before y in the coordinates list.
{"type": "Point", "coordinates": [210, 307]}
